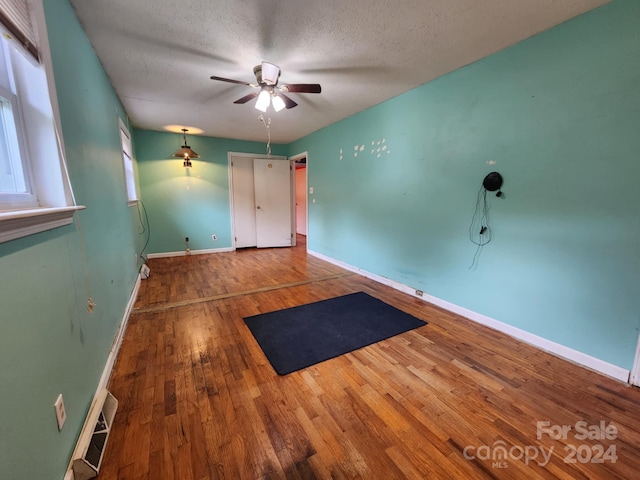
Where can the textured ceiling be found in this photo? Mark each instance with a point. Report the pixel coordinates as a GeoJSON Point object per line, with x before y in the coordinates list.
{"type": "Point", "coordinates": [159, 54]}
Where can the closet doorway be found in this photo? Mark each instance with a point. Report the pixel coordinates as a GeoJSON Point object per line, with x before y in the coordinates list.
{"type": "Point", "coordinates": [262, 206]}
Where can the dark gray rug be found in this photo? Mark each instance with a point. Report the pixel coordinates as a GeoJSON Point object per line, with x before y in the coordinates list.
{"type": "Point", "coordinates": [299, 337]}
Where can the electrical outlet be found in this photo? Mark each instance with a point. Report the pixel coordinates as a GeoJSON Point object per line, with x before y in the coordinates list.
{"type": "Point", "coordinates": [419, 293]}
{"type": "Point", "coordinates": [61, 413]}
{"type": "Point", "coordinates": [214, 237]}
{"type": "Point", "coordinates": [186, 239]}
{"type": "Point", "coordinates": [144, 271]}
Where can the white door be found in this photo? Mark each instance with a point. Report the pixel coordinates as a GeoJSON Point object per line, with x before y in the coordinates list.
{"type": "Point", "coordinates": [272, 184]}
{"type": "Point", "coordinates": [244, 204]}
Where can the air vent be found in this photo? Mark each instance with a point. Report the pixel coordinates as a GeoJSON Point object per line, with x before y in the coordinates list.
{"type": "Point", "coordinates": [87, 457]}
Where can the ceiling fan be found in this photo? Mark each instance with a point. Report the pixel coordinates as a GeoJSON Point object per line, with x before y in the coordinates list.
{"type": "Point", "coordinates": [267, 75]}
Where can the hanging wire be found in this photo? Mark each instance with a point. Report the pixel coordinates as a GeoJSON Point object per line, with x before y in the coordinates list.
{"type": "Point", "coordinates": [90, 303]}
{"type": "Point", "coordinates": [267, 125]}
{"type": "Point", "coordinates": [69, 191]}
{"type": "Point", "coordinates": [480, 228]}
{"type": "Point", "coordinates": [146, 229]}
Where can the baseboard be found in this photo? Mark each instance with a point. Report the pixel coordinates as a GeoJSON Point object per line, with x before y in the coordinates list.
{"type": "Point", "coordinates": [549, 346]}
{"type": "Point", "coordinates": [113, 355]}
{"type": "Point", "coordinates": [183, 253]}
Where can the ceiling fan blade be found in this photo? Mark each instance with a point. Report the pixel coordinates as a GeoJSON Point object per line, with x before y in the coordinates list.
{"type": "Point", "coordinates": [301, 88]}
{"type": "Point", "coordinates": [270, 73]}
{"type": "Point", "coordinates": [246, 98]}
{"type": "Point", "coordinates": [229, 80]}
{"type": "Point", "coordinates": [288, 103]}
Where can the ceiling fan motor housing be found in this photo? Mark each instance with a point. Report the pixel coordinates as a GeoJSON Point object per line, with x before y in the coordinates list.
{"type": "Point", "coordinates": [268, 75]}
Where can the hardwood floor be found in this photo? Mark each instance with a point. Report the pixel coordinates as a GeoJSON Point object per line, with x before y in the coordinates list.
{"type": "Point", "coordinates": [198, 399]}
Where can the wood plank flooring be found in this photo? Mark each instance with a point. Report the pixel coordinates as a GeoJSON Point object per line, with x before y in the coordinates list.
{"type": "Point", "coordinates": [198, 399]}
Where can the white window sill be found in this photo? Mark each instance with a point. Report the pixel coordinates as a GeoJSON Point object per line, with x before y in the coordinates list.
{"type": "Point", "coordinates": [20, 223]}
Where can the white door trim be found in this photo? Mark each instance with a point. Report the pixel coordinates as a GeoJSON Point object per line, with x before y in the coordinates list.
{"type": "Point", "coordinates": [298, 156]}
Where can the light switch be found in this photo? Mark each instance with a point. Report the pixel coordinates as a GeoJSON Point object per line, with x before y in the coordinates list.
{"type": "Point", "coordinates": [310, 190]}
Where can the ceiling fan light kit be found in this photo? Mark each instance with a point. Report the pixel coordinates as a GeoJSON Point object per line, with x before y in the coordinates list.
{"type": "Point", "coordinates": [267, 76]}
{"type": "Point", "coordinates": [278, 103]}
{"type": "Point", "coordinates": [264, 100]}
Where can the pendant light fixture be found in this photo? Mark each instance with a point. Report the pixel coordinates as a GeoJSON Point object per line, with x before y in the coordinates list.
{"type": "Point", "coordinates": [185, 151]}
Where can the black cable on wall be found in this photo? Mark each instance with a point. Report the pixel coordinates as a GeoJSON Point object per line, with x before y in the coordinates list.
{"type": "Point", "coordinates": [480, 232]}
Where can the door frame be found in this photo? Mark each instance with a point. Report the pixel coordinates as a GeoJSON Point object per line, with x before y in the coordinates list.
{"type": "Point", "coordinates": [634, 377]}
{"type": "Point", "coordinates": [230, 177]}
{"type": "Point", "coordinates": [293, 159]}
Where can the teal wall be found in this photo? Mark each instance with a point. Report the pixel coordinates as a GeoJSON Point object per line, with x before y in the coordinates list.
{"type": "Point", "coordinates": [188, 202]}
{"type": "Point", "coordinates": [559, 114]}
{"type": "Point", "coordinates": [49, 343]}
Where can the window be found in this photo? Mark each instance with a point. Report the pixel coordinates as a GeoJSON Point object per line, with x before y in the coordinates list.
{"type": "Point", "coordinates": [15, 181]}
{"type": "Point", "coordinates": [14, 184]}
{"type": "Point", "coordinates": [127, 160]}
{"type": "Point", "coordinates": [35, 192]}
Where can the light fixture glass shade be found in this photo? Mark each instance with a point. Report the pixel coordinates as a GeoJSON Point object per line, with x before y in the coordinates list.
{"type": "Point", "coordinates": [270, 73]}
{"type": "Point", "coordinates": [278, 103]}
{"type": "Point", "coordinates": [264, 99]}
{"type": "Point", "coordinates": [186, 152]}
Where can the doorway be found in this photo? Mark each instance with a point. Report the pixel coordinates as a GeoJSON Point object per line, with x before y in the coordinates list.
{"type": "Point", "coordinates": [261, 201]}
{"type": "Point", "coordinates": [301, 196]}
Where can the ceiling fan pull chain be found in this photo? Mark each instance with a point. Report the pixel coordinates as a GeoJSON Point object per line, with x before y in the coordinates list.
{"type": "Point", "coordinates": [267, 125]}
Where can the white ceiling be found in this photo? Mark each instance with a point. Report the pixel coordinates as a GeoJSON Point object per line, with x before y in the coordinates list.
{"type": "Point", "coordinates": [159, 54]}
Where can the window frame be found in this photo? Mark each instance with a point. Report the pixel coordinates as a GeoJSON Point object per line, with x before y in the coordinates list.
{"type": "Point", "coordinates": [45, 168]}
{"type": "Point", "coordinates": [15, 142]}
{"type": "Point", "coordinates": [128, 164]}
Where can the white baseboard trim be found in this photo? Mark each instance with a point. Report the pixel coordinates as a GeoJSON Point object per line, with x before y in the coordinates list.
{"type": "Point", "coordinates": [111, 359]}
{"type": "Point", "coordinates": [182, 253]}
{"type": "Point", "coordinates": [549, 346]}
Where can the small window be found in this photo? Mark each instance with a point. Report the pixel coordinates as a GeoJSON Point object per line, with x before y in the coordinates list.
{"type": "Point", "coordinates": [127, 161]}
